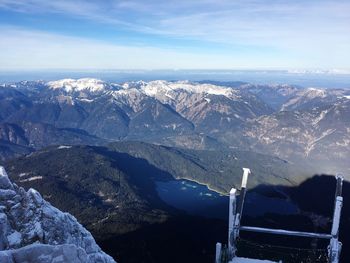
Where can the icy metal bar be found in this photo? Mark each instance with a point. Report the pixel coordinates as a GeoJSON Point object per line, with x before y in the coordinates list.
{"type": "Point", "coordinates": [339, 189]}
{"type": "Point", "coordinates": [218, 252]}
{"type": "Point", "coordinates": [246, 172]}
{"type": "Point", "coordinates": [231, 216]}
{"type": "Point", "coordinates": [237, 219]}
{"type": "Point", "coordinates": [336, 216]}
{"type": "Point", "coordinates": [335, 245]}
{"type": "Point", "coordinates": [285, 232]}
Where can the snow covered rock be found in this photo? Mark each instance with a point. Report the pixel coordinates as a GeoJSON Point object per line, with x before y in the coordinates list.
{"type": "Point", "coordinates": [32, 230]}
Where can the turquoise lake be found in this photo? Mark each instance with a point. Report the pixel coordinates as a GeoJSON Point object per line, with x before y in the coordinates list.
{"type": "Point", "coordinates": [197, 199]}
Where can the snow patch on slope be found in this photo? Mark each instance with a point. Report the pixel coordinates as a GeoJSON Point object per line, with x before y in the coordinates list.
{"type": "Point", "coordinates": [31, 179]}
{"type": "Point", "coordinates": [314, 93]}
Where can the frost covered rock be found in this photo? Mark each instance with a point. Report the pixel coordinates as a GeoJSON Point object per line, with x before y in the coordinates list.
{"type": "Point", "coordinates": [32, 230]}
{"type": "Point", "coordinates": [45, 253]}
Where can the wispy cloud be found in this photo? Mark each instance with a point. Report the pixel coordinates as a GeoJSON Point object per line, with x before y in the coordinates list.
{"type": "Point", "coordinates": [215, 20]}
{"type": "Point", "coordinates": [23, 49]}
{"type": "Point", "coordinates": [315, 31]}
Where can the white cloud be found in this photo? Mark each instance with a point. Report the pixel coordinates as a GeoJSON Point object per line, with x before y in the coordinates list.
{"type": "Point", "coordinates": [251, 22]}
{"type": "Point", "coordinates": [22, 49]}
{"type": "Point", "coordinates": [310, 33]}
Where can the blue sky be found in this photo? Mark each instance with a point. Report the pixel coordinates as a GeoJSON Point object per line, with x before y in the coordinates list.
{"type": "Point", "coordinates": [181, 34]}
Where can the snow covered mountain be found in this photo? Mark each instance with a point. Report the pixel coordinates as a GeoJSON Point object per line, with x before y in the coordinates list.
{"type": "Point", "coordinates": [155, 111]}
{"type": "Point", "coordinates": [77, 85]}
{"type": "Point", "coordinates": [34, 231]}
{"type": "Point", "coordinates": [314, 97]}
{"type": "Point", "coordinates": [283, 120]}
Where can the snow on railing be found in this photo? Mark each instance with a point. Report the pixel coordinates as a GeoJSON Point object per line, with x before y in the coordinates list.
{"type": "Point", "coordinates": [228, 254]}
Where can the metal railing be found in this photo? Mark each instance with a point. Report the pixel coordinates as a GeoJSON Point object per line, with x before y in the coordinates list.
{"type": "Point", "coordinates": [235, 213]}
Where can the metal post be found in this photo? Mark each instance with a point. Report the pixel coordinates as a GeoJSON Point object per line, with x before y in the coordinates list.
{"type": "Point", "coordinates": [231, 216]}
{"type": "Point", "coordinates": [237, 220]}
{"type": "Point", "coordinates": [339, 187]}
{"type": "Point", "coordinates": [218, 252]}
{"type": "Point", "coordinates": [335, 246]}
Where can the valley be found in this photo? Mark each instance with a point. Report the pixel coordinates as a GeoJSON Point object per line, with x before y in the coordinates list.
{"type": "Point", "coordinates": [131, 199]}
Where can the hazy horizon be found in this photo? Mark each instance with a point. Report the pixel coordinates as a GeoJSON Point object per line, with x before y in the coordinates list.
{"type": "Point", "coordinates": [308, 79]}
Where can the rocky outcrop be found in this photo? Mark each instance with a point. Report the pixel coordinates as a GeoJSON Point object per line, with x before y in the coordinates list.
{"type": "Point", "coordinates": [32, 230]}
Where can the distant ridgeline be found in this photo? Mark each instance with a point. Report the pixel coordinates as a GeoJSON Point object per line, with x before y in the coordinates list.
{"type": "Point", "coordinates": [300, 125]}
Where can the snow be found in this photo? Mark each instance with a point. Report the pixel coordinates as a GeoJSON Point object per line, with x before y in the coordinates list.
{"type": "Point", "coordinates": [315, 92]}
{"type": "Point", "coordinates": [347, 97]}
{"type": "Point", "coordinates": [5, 183]}
{"type": "Point", "coordinates": [109, 200]}
{"type": "Point", "coordinates": [64, 147]}
{"type": "Point", "coordinates": [3, 172]}
{"type": "Point", "coordinates": [84, 84]}
{"type": "Point", "coordinates": [14, 239]}
{"type": "Point", "coordinates": [86, 100]}
{"type": "Point", "coordinates": [160, 87]}
{"type": "Point", "coordinates": [32, 230]}
{"type": "Point", "coordinates": [168, 92]}
{"type": "Point", "coordinates": [43, 253]}
{"type": "Point", "coordinates": [320, 117]}
{"type": "Point", "coordinates": [31, 179]}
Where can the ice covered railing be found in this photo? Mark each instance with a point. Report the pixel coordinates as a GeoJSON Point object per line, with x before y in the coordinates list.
{"type": "Point", "coordinates": [228, 254]}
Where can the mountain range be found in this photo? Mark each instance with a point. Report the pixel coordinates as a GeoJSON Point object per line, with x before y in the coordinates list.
{"type": "Point", "coordinates": [290, 122]}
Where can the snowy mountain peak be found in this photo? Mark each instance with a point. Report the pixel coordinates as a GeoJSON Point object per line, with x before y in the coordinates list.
{"type": "Point", "coordinates": [315, 92]}
{"type": "Point", "coordinates": [84, 84]}
{"type": "Point", "coordinates": [32, 230]}
{"type": "Point", "coordinates": [158, 87]}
